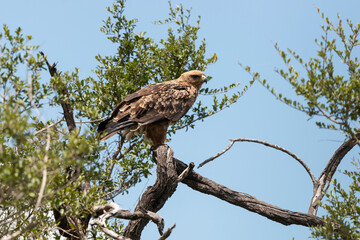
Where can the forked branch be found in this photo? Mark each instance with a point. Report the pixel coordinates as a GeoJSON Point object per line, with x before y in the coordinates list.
{"type": "Point", "coordinates": [244, 200]}
{"type": "Point", "coordinates": [328, 172]}
{"type": "Point", "coordinates": [112, 210]}
{"type": "Point", "coordinates": [155, 196]}
{"type": "Point", "coordinates": [232, 141]}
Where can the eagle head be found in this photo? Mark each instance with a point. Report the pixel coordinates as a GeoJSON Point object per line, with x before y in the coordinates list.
{"type": "Point", "coordinates": [194, 77]}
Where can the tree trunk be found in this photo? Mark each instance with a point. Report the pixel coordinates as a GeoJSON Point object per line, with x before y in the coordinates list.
{"type": "Point", "coordinates": [155, 196]}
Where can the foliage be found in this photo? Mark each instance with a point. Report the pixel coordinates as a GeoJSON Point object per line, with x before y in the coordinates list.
{"type": "Point", "coordinates": [343, 210]}
{"type": "Point", "coordinates": [140, 61]}
{"type": "Point", "coordinates": [329, 90]}
{"type": "Point", "coordinates": [37, 145]}
{"type": "Point", "coordinates": [30, 158]}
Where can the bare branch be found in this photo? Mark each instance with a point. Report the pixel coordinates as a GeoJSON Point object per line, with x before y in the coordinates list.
{"type": "Point", "coordinates": [232, 141]}
{"type": "Point", "coordinates": [244, 200]}
{"type": "Point", "coordinates": [112, 210]}
{"type": "Point", "coordinates": [155, 196]}
{"type": "Point", "coordinates": [52, 68]}
{"type": "Point", "coordinates": [108, 211]}
{"type": "Point", "coordinates": [76, 226]}
{"type": "Point", "coordinates": [92, 121]}
{"type": "Point", "coordinates": [167, 233]}
{"type": "Point", "coordinates": [110, 233]}
{"type": "Point", "coordinates": [50, 126]}
{"type": "Point", "coordinates": [326, 115]}
{"type": "Point", "coordinates": [186, 172]}
{"type": "Point", "coordinates": [66, 104]}
{"type": "Point", "coordinates": [328, 172]}
{"type": "Point", "coordinates": [68, 232]}
{"type": "Point", "coordinates": [217, 155]}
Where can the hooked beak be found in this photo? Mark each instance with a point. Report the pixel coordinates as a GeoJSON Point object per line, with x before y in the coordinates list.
{"type": "Point", "coordinates": [204, 78]}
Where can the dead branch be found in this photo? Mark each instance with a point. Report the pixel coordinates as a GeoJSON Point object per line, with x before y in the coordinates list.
{"type": "Point", "coordinates": [217, 155]}
{"type": "Point", "coordinates": [112, 210]}
{"type": "Point", "coordinates": [244, 200]}
{"type": "Point", "coordinates": [232, 141]}
{"type": "Point", "coordinates": [67, 225]}
{"type": "Point", "coordinates": [155, 196]}
{"type": "Point", "coordinates": [167, 233]}
{"type": "Point", "coordinates": [110, 233]}
{"type": "Point", "coordinates": [153, 199]}
{"type": "Point", "coordinates": [93, 121]}
{"type": "Point", "coordinates": [186, 172]}
{"type": "Point", "coordinates": [66, 104]}
{"type": "Point", "coordinates": [328, 172]}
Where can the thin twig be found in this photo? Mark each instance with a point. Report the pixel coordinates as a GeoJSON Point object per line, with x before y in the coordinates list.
{"type": "Point", "coordinates": [19, 232]}
{"type": "Point", "coordinates": [44, 172]}
{"type": "Point", "coordinates": [217, 155]}
{"type": "Point", "coordinates": [50, 126]}
{"type": "Point", "coordinates": [111, 233]}
{"type": "Point", "coordinates": [127, 151]}
{"type": "Point", "coordinates": [92, 121]}
{"type": "Point", "coordinates": [232, 141]}
{"type": "Point", "coordinates": [326, 115]}
{"type": "Point", "coordinates": [112, 164]}
{"type": "Point", "coordinates": [3, 97]}
{"type": "Point", "coordinates": [210, 113]}
{"type": "Point", "coordinates": [47, 147]}
{"type": "Point", "coordinates": [52, 68]}
{"type": "Point", "coordinates": [67, 232]}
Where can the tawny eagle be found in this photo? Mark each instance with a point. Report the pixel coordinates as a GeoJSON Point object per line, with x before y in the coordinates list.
{"type": "Point", "coordinates": [152, 109]}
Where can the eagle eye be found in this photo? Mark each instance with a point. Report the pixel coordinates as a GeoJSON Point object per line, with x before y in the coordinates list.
{"type": "Point", "coordinates": [195, 76]}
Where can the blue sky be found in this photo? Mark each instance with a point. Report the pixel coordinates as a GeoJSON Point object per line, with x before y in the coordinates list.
{"type": "Point", "coordinates": [68, 32]}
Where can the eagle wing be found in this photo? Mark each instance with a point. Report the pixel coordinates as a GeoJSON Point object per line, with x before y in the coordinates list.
{"type": "Point", "coordinates": [154, 103]}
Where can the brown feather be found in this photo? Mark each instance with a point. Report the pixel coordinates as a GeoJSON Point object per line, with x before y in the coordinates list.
{"type": "Point", "coordinates": [153, 108]}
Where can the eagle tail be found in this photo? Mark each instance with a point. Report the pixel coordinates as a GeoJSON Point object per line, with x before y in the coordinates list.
{"type": "Point", "coordinates": [108, 128]}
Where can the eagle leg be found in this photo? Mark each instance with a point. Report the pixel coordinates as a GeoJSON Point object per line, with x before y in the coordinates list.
{"type": "Point", "coordinates": [155, 133]}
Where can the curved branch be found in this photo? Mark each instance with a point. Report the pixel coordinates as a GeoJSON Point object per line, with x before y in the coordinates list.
{"type": "Point", "coordinates": [232, 141]}
{"type": "Point", "coordinates": [168, 170]}
{"type": "Point", "coordinates": [328, 172]}
{"type": "Point", "coordinates": [251, 203]}
{"type": "Point", "coordinates": [217, 155]}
